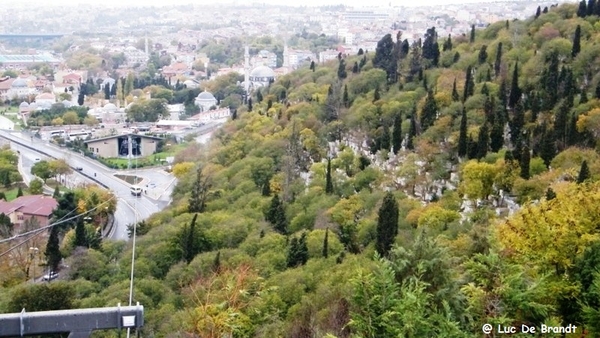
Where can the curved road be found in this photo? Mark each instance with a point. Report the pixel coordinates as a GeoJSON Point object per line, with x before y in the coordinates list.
{"type": "Point", "coordinates": [129, 207]}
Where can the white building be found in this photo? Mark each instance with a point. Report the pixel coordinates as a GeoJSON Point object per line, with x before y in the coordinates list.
{"type": "Point", "coordinates": [205, 101]}
{"type": "Point", "coordinates": [45, 99]}
{"type": "Point", "coordinates": [20, 88]}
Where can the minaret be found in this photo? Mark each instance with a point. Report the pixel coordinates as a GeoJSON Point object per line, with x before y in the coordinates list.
{"type": "Point", "coordinates": [246, 69]}
{"type": "Point", "coordinates": [286, 56]}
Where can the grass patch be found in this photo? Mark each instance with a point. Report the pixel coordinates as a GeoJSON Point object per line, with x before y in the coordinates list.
{"type": "Point", "coordinates": [131, 179]}
{"type": "Point", "coordinates": [11, 192]}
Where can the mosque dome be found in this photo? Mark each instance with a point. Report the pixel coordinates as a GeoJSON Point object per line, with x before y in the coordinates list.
{"type": "Point", "coordinates": [19, 83]}
{"type": "Point", "coordinates": [205, 96]}
{"type": "Point", "coordinates": [262, 72]}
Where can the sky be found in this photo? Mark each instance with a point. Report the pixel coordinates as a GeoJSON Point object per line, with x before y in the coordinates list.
{"type": "Point", "coordinates": [350, 3]}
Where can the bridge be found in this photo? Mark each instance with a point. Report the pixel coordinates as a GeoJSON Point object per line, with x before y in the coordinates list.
{"type": "Point", "coordinates": [31, 36]}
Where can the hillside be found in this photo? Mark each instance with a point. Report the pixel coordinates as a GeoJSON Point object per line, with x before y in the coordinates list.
{"type": "Point", "coordinates": [413, 191]}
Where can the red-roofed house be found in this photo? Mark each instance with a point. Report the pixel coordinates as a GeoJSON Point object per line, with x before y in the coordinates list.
{"type": "Point", "coordinates": [23, 208]}
{"type": "Point", "coordinates": [72, 78]}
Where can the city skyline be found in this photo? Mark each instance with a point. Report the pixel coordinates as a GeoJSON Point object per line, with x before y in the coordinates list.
{"type": "Point", "coordinates": [310, 3]}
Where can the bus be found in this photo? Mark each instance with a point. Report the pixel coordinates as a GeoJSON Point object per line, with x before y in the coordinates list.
{"type": "Point", "coordinates": [79, 134]}
{"type": "Point", "coordinates": [57, 133]}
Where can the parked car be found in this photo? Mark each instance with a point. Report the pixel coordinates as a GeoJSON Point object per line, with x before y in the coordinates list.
{"type": "Point", "coordinates": [50, 276]}
{"type": "Point", "coordinates": [79, 168]}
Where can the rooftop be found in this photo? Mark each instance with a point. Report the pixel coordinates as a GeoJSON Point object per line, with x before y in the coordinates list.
{"type": "Point", "coordinates": [40, 205]}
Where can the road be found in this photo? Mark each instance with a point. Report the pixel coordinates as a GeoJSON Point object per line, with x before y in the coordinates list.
{"type": "Point", "coordinates": [129, 208]}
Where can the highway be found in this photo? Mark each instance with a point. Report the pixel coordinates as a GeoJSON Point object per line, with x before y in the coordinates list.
{"type": "Point", "coordinates": [129, 207]}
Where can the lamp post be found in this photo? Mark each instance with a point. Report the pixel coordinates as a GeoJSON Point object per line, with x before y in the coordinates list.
{"type": "Point", "coordinates": [33, 252]}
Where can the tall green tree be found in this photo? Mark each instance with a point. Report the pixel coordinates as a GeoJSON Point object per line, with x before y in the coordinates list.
{"type": "Point", "coordinates": [524, 162]}
{"type": "Point", "coordinates": [517, 122]}
{"type": "Point", "coordinates": [19, 192]}
{"type": "Point", "coordinates": [455, 96]}
{"type": "Point", "coordinates": [53, 255]}
{"type": "Point", "coordinates": [498, 61]}
{"type": "Point", "coordinates": [328, 180]}
{"type": "Point", "coordinates": [412, 131]}
{"type": "Point", "coordinates": [200, 190]}
{"type": "Point", "coordinates": [276, 215]}
{"type": "Point", "coordinates": [192, 241]}
{"type": "Point", "coordinates": [472, 36]}
{"type": "Point", "coordinates": [397, 134]}
{"type": "Point", "coordinates": [129, 83]}
{"type": "Point", "coordinates": [80, 236]}
{"type": "Point", "coordinates": [387, 224]}
{"type": "Point", "coordinates": [483, 55]}
{"type": "Point", "coordinates": [483, 141]}
{"type": "Point", "coordinates": [548, 147]}
{"type": "Point", "coordinates": [582, 9]}
{"type": "Point", "coordinates": [591, 7]}
{"type": "Point", "coordinates": [385, 58]}
{"type": "Point", "coordinates": [462, 137]}
{"type": "Point", "coordinates": [342, 73]}
{"type": "Point", "coordinates": [515, 90]}
{"type": "Point", "coordinates": [297, 251]}
{"type": "Point", "coordinates": [56, 193]}
{"type": "Point", "coordinates": [576, 42]}
{"type": "Point", "coordinates": [106, 91]}
{"type": "Point", "coordinates": [447, 44]}
{"type": "Point", "coordinates": [345, 97]}
{"type": "Point", "coordinates": [584, 172]}
{"type": "Point", "coordinates": [429, 111]}
{"type": "Point", "coordinates": [326, 244]}
{"type": "Point", "coordinates": [469, 84]}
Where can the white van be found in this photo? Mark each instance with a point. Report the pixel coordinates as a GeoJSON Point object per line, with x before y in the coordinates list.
{"type": "Point", "coordinates": [136, 190]}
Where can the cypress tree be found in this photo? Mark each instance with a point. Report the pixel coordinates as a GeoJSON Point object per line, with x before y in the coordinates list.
{"type": "Point", "coordinates": [355, 68]}
{"type": "Point", "coordinates": [583, 98]}
{"type": "Point", "coordinates": [189, 236]}
{"type": "Point", "coordinates": [462, 138]}
{"type": "Point", "coordinates": [80, 239]}
{"type": "Point", "coordinates": [524, 162]}
{"type": "Point", "coordinates": [80, 98]}
{"type": "Point", "coordinates": [342, 74]}
{"type": "Point", "coordinates": [429, 112]}
{"type": "Point", "coordinates": [483, 141]}
{"type": "Point", "coordinates": [472, 38]}
{"type": "Point", "coordinates": [312, 66]}
{"type": "Point", "coordinates": [376, 95]}
{"type": "Point", "coordinates": [328, 180]}
{"type": "Point", "coordinates": [53, 255]}
{"type": "Point", "coordinates": [455, 96]}
{"type": "Point", "coordinates": [19, 192]}
{"type": "Point", "coordinates": [515, 91]}
{"type": "Point", "coordinates": [106, 91]}
{"type": "Point", "coordinates": [550, 194]}
{"type": "Point", "coordinates": [584, 172]}
{"type": "Point", "coordinates": [216, 266]}
{"type": "Point", "coordinates": [484, 90]}
{"type": "Point", "coordinates": [326, 244]}
{"type": "Point", "coordinates": [472, 150]}
{"type": "Point", "coordinates": [345, 98]}
{"type": "Point", "coordinates": [259, 96]}
{"type": "Point", "coordinates": [469, 85]}
{"type": "Point", "coordinates": [538, 12]}
{"type": "Point", "coordinates": [591, 6]}
{"type": "Point", "coordinates": [385, 141]}
{"type": "Point", "coordinates": [576, 42]}
{"type": "Point", "coordinates": [412, 131]}
{"type": "Point", "coordinates": [582, 10]}
{"type": "Point", "coordinates": [560, 122]}
{"type": "Point", "coordinates": [483, 55]}
{"type": "Point", "coordinates": [456, 57]}
{"type": "Point", "coordinates": [387, 225]}
{"type": "Point", "coordinates": [249, 104]}
{"type": "Point", "coordinates": [548, 147]}
{"type": "Point", "coordinates": [447, 44]}
{"type": "Point", "coordinates": [276, 215]}
{"type": "Point", "coordinates": [517, 122]}
{"type": "Point", "coordinates": [497, 135]}
{"type": "Point", "coordinates": [2, 196]}
{"type": "Point", "coordinates": [498, 61]}
{"type": "Point", "coordinates": [397, 134]}
{"type": "Point", "coordinates": [597, 91]}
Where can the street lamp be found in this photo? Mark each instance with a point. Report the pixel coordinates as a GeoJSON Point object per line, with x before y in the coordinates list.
{"type": "Point", "coordinates": [33, 252]}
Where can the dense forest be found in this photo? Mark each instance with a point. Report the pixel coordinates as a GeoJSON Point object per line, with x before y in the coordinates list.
{"type": "Point", "coordinates": [418, 190]}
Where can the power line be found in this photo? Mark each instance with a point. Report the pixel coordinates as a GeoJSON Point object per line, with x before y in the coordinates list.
{"type": "Point", "coordinates": [135, 224]}
{"type": "Point", "coordinates": [39, 230]}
